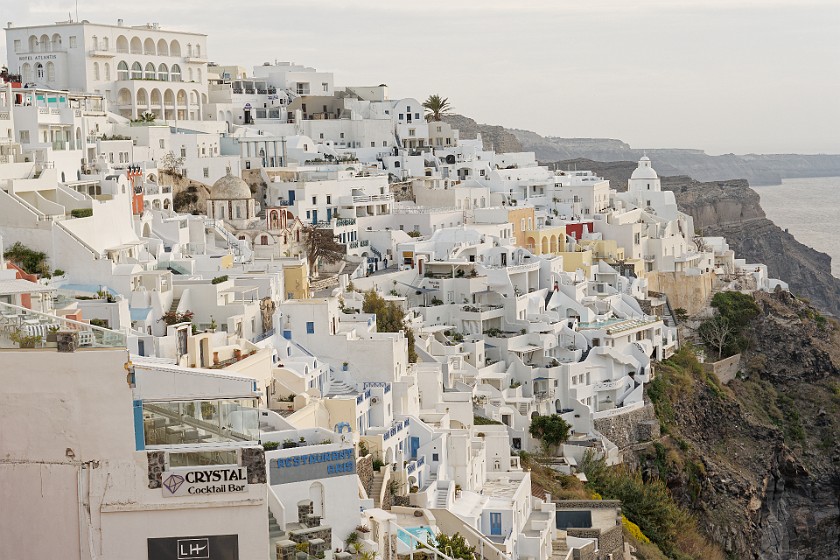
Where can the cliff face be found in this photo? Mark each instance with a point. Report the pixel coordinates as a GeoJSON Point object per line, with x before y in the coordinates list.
{"type": "Point", "coordinates": [765, 169]}
{"type": "Point", "coordinates": [495, 138]}
{"type": "Point", "coordinates": [758, 462]}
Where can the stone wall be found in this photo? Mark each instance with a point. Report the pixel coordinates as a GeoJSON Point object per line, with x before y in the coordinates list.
{"type": "Point", "coordinates": [364, 468]}
{"type": "Point", "coordinates": [253, 458]}
{"type": "Point", "coordinates": [689, 292]}
{"type": "Point", "coordinates": [611, 542]}
{"type": "Point", "coordinates": [313, 533]}
{"type": "Point", "coordinates": [725, 369]}
{"type": "Point", "coordinates": [157, 464]}
{"type": "Point", "coordinates": [585, 553]}
{"type": "Point", "coordinates": [623, 429]}
{"type": "Point", "coordinates": [587, 504]}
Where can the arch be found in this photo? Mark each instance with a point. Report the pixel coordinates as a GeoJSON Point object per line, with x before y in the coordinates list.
{"type": "Point", "coordinates": [27, 72]}
{"type": "Point", "coordinates": [156, 98]}
{"type": "Point", "coordinates": [156, 204]}
{"type": "Point", "coordinates": [558, 406]}
{"type": "Point", "coordinates": [316, 496]}
{"type": "Point", "coordinates": [105, 43]}
{"type": "Point", "coordinates": [163, 73]}
{"type": "Point", "coordinates": [142, 97]}
{"type": "Point", "coordinates": [263, 240]}
{"type": "Point", "coordinates": [193, 97]}
{"type": "Point", "coordinates": [136, 46]}
{"type": "Point", "coordinates": [221, 115]}
{"type": "Point", "coordinates": [150, 71]}
{"type": "Point", "coordinates": [189, 74]}
{"type": "Point", "coordinates": [122, 70]}
{"type": "Point", "coordinates": [56, 41]}
{"type": "Point", "coordinates": [182, 98]}
{"type": "Point", "coordinates": [44, 41]}
{"type": "Point", "coordinates": [389, 456]}
{"type": "Point", "coordinates": [174, 48]}
{"type": "Point", "coordinates": [136, 71]}
{"type": "Point", "coordinates": [198, 75]}
{"type": "Point", "coordinates": [544, 245]}
{"type": "Point", "coordinates": [175, 73]}
{"type": "Point", "coordinates": [530, 242]}
{"type": "Point", "coordinates": [95, 70]}
{"type": "Point", "coordinates": [122, 44]}
{"type": "Point", "coordinates": [553, 243]}
{"type": "Point", "coordinates": [39, 71]}
{"type": "Point", "coordinates": [162, 48]}
{"type": "Point", "coordinates": [107, 71]}
{"type": "Point", "coordinates": [197, 50]}
{"type": "Point", "coordinates": [149, 46]}
{"type": "Point", "coordinates": [169, 97]}
{"type": "Point", "coordinates": [147, 230]}
{"type": "Point", "coordinates": [50, 71]}
{"type": "Point", "coordinates": [166, 204]}
{"type": "Point", "coordinates": [33, 43]}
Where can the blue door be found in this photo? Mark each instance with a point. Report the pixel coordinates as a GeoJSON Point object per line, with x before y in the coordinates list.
{"type": "Point", "coordinates": [291, 198]}
{"type": "Point", "coordinates": [415, 444]}
{"type": "Point", "coordinates": [329, 214]}
{"type": "Point", "coordinates": [495, 523]}
{"type": "Point", "coordinates": [314, 216]}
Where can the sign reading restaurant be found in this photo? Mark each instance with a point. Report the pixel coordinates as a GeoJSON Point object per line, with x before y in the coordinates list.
{"type": "Point", "coordinates": [204, 480]}
{"type": "Point", "coordinates": [310, 466]}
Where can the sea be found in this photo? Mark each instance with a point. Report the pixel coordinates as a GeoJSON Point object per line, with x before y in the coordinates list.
{"type": "Point", "coordinates": [809, 208]}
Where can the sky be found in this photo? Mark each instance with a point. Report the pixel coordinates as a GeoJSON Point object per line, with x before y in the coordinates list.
{"type": "Point", "coordinates": [725, 76]}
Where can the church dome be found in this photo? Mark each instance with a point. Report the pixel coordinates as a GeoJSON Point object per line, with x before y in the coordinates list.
{"type": "Point", "coordinates": [230, 187]}
{"type": "Point", "coordinates": [644, 170]}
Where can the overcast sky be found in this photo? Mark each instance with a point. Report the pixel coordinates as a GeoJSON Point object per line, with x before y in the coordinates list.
{"type": "Point", "coordinates": [721, 75]}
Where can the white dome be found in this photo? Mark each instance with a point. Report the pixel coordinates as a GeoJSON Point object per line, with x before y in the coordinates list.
{"type": "Point", "coordinates": [230, 187]}
{"type": "Point", "coordinates": [644, 170]}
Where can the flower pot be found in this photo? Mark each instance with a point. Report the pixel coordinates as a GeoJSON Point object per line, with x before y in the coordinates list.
{"type": "Point", "coordinates": [215, 358]}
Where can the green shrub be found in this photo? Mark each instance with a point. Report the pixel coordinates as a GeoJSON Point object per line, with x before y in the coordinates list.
{"type": "Point", "coordinates": [270, 445]}
{"type": "Point", "coordinates": [81, 212]}
{"type": "Point", "coordinates": [219, 279]}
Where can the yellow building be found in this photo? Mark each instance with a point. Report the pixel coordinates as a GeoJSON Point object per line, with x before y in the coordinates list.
{"type": "Point", "coordinates": [296, 280]}
{"type": "Point", "coordinates": [522, 220]}
{"type": "Point", "coordinates": [573, 260]}
{"type": "Point", "coordinates": [547, 240]}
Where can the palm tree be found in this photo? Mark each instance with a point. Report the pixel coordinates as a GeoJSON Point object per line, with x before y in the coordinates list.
{"type": "Point", "coordinates": [436, 107]}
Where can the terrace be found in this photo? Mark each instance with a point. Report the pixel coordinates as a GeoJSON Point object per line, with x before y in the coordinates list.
{"type": "Point", "coordinates": [24, 328]}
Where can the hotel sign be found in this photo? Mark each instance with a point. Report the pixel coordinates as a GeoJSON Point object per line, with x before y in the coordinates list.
{"type": "Point", "coordinates": [311, 466]}
{"type": "Point", "coordinates": [213, 547]}
{"type": "Point", "coordinates": [202, 481]}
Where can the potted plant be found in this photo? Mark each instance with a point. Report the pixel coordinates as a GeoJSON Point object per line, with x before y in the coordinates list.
{"type": "Point", "coordinates": [237, 353]}
{"type": "Point", "coordinates": [25, 340]}
{"type": "Point", "coordinates": [52, 335]}
{"type": "Point", "coordinates": [288, 444]}
{"type": "Point", "coordinates": [344, 365]}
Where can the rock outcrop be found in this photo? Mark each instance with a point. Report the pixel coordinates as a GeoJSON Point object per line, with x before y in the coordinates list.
{"type": "Point", "coordinates": [495, 138]}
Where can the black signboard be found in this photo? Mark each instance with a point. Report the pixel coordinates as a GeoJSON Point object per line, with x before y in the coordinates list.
{"type": "Point", "coordinates": [214, 547]}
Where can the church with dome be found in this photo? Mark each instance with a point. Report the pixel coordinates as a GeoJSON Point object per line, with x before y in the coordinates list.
{"type": "Point", "coordinates": [274, 232]}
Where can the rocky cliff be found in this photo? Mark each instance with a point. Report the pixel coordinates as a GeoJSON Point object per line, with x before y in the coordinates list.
{"type": "Point", "coordinates": [758, 462]}
{"type": "Point", "coordinates": [764, 169]}
{"type": "Point", "coordinates": [495, 138]}
{"type": "Point", "coordinates": [732, 209]}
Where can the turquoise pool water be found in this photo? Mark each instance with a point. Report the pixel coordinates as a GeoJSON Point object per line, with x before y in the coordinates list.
{"type": "Point", "coordinates": [422, 533]}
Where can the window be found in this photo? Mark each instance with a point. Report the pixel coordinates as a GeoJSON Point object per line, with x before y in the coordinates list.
{"type": "Point", "coordinates": [39, 71]}
{"type": "Point", "coordinates": [162, 143]}
{"type": "Point", "coordinates": [72, 41]}
{"type": "Point", "coordinates": [107, 72]}
{"type": "Point", "coordinates": [408, 109]}
{"type": "Point", "coordinates": [183, 152]}
{"type": "Point", "coordinates": [325, 86]}
{"type": "Point", "coordinates": [411, 132]}
{"type": "Point", "coordinates": [341, 135]}
{"type": "Point", "coordinates": [417, 116]}
{"type": "Point", "coordinates": [310, 327]}
{"type": "Point", "coordinates": [95, 70]}
{"type": "Point", "coordinates": [401, 116]}
{"type": "Point", "coordinates": [17, 45]}
{"type": "Point", "coordinates": [435, 457]}
{"type": "Point", "coordinates": [329, 199]}
{"type": "Point", "coordinates": [206, 172]}
{"type": "Point", "coordinates": [373, 144]}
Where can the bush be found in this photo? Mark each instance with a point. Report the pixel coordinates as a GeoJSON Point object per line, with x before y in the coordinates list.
{"type": "Point", "coordinates": [270, 445]}
{"type": "Point", "coordinates": [29, 260]}
{"type": "Point", "coordinates": [58, 272]}
{"type": "Point", "coordinates": [81, 212]}
{"type": "Point", "coordinates": [414, 233]}
{"type": "Point", "coordinates": [219, 279]}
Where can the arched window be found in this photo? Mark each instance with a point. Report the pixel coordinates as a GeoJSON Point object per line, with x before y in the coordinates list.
{"type": "Point", "coordinates": [150, 71]}
{"type": "Point", "coordinates": [264, 240]}
{"type": "Point", "coordinates": [95, 70]}
{"type": "Point", "coordinates": [122, 70]}
{"type": "Point", "coordinates": [198, 75]}
{"type": "Point", "coordinates": [198, 51]}
{"type": "Point", "coordinates": [122, 44]}
{"type": "Point", "coordinates": [163, 73]}
{"type": "Point", "coordinates": [174, 48]}
{"type": "Point", "coordinates": [27, 72]}
{"type": "Point", "coordinates": [136, 46]}
{"type": "Point", "coordinates": [105, 44]}
{"type": "Point", "coordinates": [162, 48]}
{"type": "Point", "coordinates": [56, 41]}
{"type": "Point", "coordinates": [175, 74]}
{"type": "Point", "coordinates": [107, 72]}
{"type": "Point", "coordinates": [39, 71]}
{"type": "Point", "coordinates": [189, 74]}
{"type": "Point", "coordinates": [94, 41]}
{"type": "Point", "coordinates": [33, 43]}
{"type": "Point", "coordinates": [149, 47]}
{"type": "Point", "coordinates": [136, 71]}
{"type": "Point", "coordinates": [45, 43]}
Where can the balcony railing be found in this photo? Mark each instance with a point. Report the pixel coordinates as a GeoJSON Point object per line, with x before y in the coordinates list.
{"type": "Point", "coordinates": [33, 329]}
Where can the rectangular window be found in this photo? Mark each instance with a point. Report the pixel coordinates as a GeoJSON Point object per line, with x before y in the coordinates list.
{"type": "Point", "coordinates": [435, 457]}
{"type": "Point", "coordinates": [183, 152]}
{"type": "Point", "coordinates": [373, 144]}
{"type": "Point", "coordinates": [341, 135]}
{"type": "Point", "coordinates": [401, 116]}
{"type": "Point", "coordinates": [325, 86]}
{"type": "Point", "coordinates": [411, 132]}
{"type": "Point", "coordinates": [206, 172]}
{"type": "Point", "coordinates": [162, 143]}
{"type": "Point", "coordinates": [17, 45]}
{"type": "Point", "coordinates": [310, 327]}
{"type": "Point", "coordinates": [72, 41]}
{"type": "Point", "coordinates": [417, 116]}
{"type": "Point", "coordinates": [329, 199]}
{"type": "Point", "coordinates": [308, 214]}
{"type": "Point", "coordinates": [314, 200]}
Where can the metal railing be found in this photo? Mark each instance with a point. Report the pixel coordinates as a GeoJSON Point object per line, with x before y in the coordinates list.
{"type": "Point", "coordinates": [24, 328]}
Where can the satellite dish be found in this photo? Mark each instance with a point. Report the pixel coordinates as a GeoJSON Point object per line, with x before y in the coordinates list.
{"type": "Point", "coordinates": [450, 159]}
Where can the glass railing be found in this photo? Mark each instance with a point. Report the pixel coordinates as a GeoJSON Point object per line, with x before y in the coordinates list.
{"type": "Point", "coordinates": [200, 421]}
{"type": "Point", "coordinates": [24, 328]}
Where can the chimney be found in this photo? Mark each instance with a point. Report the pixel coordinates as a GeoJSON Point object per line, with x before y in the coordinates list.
{"type": "Point", "coordinates": [120, 22]}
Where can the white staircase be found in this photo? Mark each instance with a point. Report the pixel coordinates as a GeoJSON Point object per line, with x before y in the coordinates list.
{"type": "Point", "coordinates": [376, 489]}
{"type": "Point", "coordinates": [338, 388]}
{"type": "Point", "coordinates": [441, 496]}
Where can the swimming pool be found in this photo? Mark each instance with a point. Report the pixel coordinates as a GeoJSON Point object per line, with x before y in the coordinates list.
{"type": "Point", "coordinates": [423, 533]}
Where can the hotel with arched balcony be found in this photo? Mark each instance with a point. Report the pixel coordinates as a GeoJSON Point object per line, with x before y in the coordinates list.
{"type": "Point", "coordinates": [138, 69]}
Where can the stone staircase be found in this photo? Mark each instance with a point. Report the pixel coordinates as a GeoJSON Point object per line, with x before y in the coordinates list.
{"type": "Point", "coordinates": [275, 533]}
{"type": "Point", "coordinates": [376, 489]}
{"type": "Point", "coordinates": [174, 307]}
{"type": "Point", "coordinates": [559, 549]}
{"type": "Point", "coordinates": [338, 388]}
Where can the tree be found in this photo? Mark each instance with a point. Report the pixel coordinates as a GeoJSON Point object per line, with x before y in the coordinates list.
{"type": "Point", "coordinates": [320, 246]}
{"type": "Point", "coordinates": [455, 546]}
{"type": "Point", "coordinates": [718, 332]}
{"type": "Point", "coordinates": [170, 162]}
{"type": "Point", "coordinates": [31, 261]}
{"type": "Point", "coordinates": [436, 107]}
{"type": "Point", "coordinates": [389, 318]}
{"type": "Point", "coordinates": [550, 430]}
{"type": "Point", "coordinates": [146, 117]}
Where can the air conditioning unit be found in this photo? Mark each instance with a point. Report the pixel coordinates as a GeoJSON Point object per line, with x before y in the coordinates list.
{"type": "Point", "coordinates": [374, 400]}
